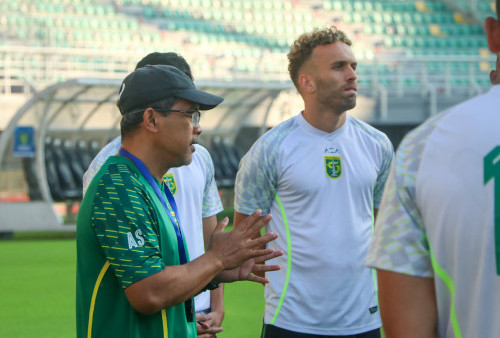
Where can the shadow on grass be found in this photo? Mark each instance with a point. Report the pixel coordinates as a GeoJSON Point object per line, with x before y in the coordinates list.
{"type": "Point", "coordinates": [37, 235]}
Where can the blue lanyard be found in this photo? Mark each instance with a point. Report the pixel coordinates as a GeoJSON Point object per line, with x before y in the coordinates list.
{"type": "Point", "coordinates": [172, 215]}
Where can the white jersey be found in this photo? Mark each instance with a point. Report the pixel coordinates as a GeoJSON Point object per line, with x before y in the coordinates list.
{"type": "Point", "coordinates": [321, 189]}
{"type": "Point", "coordinates": [439, 214]}
{"type": "Point", "coordinates": [195, 193]}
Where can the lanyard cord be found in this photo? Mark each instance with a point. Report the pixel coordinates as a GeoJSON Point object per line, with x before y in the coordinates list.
{"type": "Point", "coordinates": [171, 214]}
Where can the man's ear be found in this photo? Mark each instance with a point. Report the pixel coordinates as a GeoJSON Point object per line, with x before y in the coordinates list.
{"type": "Point", "coordinates": [149, 119]}
{"type": "Point", "coordinates": [307, 83]}
{"type": "Point", "coordinates": [494, 77]}
{"type": "Point", "coordinates": [492, 28]}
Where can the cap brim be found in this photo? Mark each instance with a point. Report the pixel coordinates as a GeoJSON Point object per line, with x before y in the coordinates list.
{"type": "Point", "coordinates": [205, 100]}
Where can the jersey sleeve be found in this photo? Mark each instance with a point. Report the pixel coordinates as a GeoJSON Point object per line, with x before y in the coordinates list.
{"type": "Point", "coordinates": [399, 242]}
{"type": "Point", "coordinates": [256, 180]}
{"type": "Point", "coordinates": [110, 149]}
{"type": "Point", "coordinates": [121, 217]}
{"type": "Point", "coordinates": [211, 199]}
{"type": "Point", "coordinates": [387, 155]}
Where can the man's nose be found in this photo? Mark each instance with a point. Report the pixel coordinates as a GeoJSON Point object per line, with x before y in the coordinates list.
{"type": "Point", "coordinates": [351, 73]}
{"type": "Point", "coordinates": [197, 130]}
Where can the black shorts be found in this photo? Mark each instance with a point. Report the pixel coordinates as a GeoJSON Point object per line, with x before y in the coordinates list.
{"type": "Point", "coordinates": [271, 331]}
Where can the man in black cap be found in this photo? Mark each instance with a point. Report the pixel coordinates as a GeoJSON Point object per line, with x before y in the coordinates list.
{"type": "Point", "coordinates": [134, 276]}
{"type": "Point", "coordinates": [195, 191]}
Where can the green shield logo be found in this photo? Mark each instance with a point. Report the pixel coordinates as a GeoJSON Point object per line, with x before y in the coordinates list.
{"type": "Point", "coordinates": [169, 180]}
{"type": "Point", "coordinates": [333, 166]}
{"type": "Point", "coordinates": [24, 138]}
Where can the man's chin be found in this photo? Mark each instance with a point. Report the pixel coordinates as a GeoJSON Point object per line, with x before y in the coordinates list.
{"type": "Point", "coordinates": [188, 159]}
{"type": "Point", "coordinates": [349, 105]}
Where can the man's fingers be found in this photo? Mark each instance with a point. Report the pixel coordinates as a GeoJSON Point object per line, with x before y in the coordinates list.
{"type": "Point", "coordinates": [263, 240]}
{"type": "Point", "coordinates": [265, 268]}
{"type": "Point", "coordinates": [257, 279]}
{"type": "Point", "coordinates": [210, 330]}
{"type": "Point", "coordinates": [259, 224]}
{"type": "Point", "coordinates": [262, 259]}
{"type": "Point", "coordinates": [261, 254]}
{"type": "Point", "coordinates": [222, 224]}
{"type": "Point", "coordinates": [251, 219]}
{"type": "Point", "coordinates": [254, 222]}
{"type": "Point", "coordinates": [203, 318]}
{"type": "Point", "coordinates": [205, 335]}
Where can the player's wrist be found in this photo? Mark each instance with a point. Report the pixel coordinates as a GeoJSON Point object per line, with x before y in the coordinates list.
{"type": "Point", "coordinates": [216, 260]}
{"type": "Point", "coordinates": [212, 285]}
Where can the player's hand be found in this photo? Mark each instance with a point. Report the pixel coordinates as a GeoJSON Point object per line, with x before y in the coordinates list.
{"type": "Point", "coordinates": [241, 244]}
{"type": "Point", "coordinates": [254, 269]}
{"type": "Point", "coordinates": [247, 270]}
{"type": "Point", "coordinates": [210, 324]}
{"type": "Point", "coordinates": [205, 331]}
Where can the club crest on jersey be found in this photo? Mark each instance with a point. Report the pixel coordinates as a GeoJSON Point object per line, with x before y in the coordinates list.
{"type": "Point", "coordinates": [333, 166]}
{"type": "Point", "coordinates": [169, 180]}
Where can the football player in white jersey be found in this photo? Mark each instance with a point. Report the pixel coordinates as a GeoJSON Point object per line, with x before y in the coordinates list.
{"type": "Point", "coordinates": [437, 237]}
{"type": "Point", "coordinates": [195, 191]}
{"type": "Point", "coordinates": [320, 175]}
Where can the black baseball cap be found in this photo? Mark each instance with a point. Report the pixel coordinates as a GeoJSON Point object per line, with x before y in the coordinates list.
{"type": "Point", "coordinates": [153, 83]}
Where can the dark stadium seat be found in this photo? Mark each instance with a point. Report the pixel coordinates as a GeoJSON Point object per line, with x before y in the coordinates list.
{"type": "Point", "coordinates": [226, 158]}
{"type": "Point", "coordinates": [84, 154]}
{"type": "Point", "coordinates": [51, 171]}
{"type": "Point", "coordinates": [71, 158]}
{"type": "Point", "coordinates": [62, 183]}
{"type": "Point", "coordinates": [93, 148]}
{"type": "Point", "coordinates": [32, 178]}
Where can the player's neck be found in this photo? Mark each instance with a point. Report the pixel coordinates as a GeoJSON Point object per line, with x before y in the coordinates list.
{"type": "Point", "coordinates": [327, 121]}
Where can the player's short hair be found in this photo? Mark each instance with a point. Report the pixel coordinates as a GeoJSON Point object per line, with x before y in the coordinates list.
{"type": "Point", "coordinates": [169, 59]}
{"type": "Point", "coordinates": [302, 48]}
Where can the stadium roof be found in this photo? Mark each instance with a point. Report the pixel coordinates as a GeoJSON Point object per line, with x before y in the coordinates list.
{"type": "Point", "coordinates": [84, 109]}
{"type": "Point", "coordinates": [88, 104]}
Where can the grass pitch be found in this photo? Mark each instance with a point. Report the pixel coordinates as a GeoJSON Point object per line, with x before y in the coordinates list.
{"type": "Point", "coordinates": [38, 292]}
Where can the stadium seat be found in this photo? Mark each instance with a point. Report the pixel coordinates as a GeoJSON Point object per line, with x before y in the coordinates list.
{"type": "Point", "coordinates": [69, 188]}
{"type": "Point", "coordinates": [84, 154]}
{"type": "Point", "coordinates": [226, 159]}
{"type": "Point", "coordinates": [32, 178]}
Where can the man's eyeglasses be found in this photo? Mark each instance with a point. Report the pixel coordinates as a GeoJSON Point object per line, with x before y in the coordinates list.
{"type": "Point", "coordinates": [195, 114]}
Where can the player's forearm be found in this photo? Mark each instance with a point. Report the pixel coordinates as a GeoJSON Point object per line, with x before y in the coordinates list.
{"type": "Point", "coordinates": [209, 225]}
{"type": "Point", "coordinates": [173, 285]}
{"type": "Point", "coordinates": [217, 301]}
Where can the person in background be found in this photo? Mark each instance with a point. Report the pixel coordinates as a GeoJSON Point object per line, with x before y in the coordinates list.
{"type": "Point", "coordinates": [197, 198]}
{"type": "Point", "coordinates": [320, 175]}
{"type": "Point", "coordinates": [436, 245]}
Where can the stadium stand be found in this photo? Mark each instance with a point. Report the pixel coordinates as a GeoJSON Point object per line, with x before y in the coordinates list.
{"type": "Point", "coordinates": [416, 57]}
{"type": "Point", "coordinates": [234, 39]}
